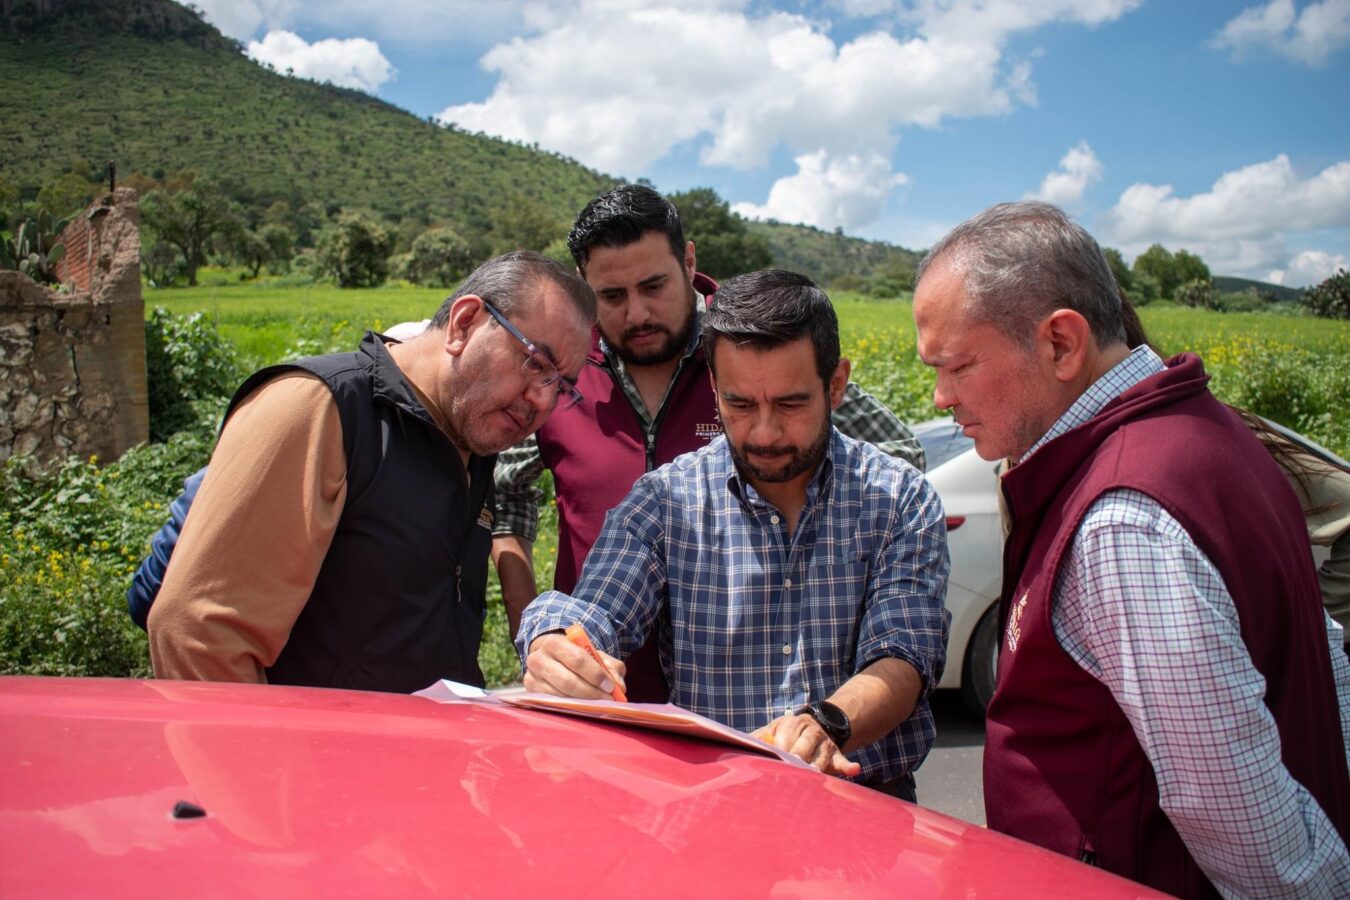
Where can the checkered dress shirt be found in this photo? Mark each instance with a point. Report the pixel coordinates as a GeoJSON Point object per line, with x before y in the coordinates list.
{"type": "Point", "coordinates": [755, 621]}
{"type": "Point", "coordinates": [860, 416]}
{"type": "Point", "coordinates": [1179, 670]}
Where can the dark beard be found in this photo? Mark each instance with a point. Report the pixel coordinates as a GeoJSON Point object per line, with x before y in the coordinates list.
{"type": "Point", "coordinates": [673, 347]}
{"type": "Point", "coordinates": [799, 461]}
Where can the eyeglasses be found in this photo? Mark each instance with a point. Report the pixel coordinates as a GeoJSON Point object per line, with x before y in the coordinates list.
{"type": "Point", "coordinates": [539, 370]}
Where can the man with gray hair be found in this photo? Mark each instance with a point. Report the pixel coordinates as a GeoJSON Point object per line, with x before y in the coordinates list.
{"type": "Point", "coordinates": [342, 532]}
{"type": "Point", "coordinates": [1166, 706]}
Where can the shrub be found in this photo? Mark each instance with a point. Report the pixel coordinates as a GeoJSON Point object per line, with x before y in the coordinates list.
{"type": "Point", "coordinates": [355, 251]}
{"type": "Point", "coordinates": [191, 372]}
{"type": "Point", "coordinates": [69, 542]}
{"type": "Point", "coordinates": [1331, 298]}
{"type": "Point", "coordinates": [1250, 300]}
{"type": "Point", "coordinates": [1303, 389]}
{"type": "Point", "coordinates": [35, 248]}
{"type": "Point", "coordinates": [1144, 288]}
{"type": "Point", "coordinates": [1198, 292]}
{"type": "Point", "coordinates": [440, 258]}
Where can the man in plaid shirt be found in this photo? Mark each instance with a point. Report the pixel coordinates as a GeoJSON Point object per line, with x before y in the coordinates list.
{"type": "Point", "coordinates": [648, 399]}
{"type": "Point", "coordinates": [795, 577]}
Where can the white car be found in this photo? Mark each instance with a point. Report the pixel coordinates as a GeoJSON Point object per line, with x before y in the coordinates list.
{"type": "Point", "coordinates": [968, 487]}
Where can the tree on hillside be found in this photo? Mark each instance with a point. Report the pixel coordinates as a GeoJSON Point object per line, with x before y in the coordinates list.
{"type": "Point", "coordinates": [194, 219]}
{"type": "Point", "coordinates": [302, 221]}
{"type": "Point", "coordinates": [441, 258]}
{"type": "Point", "coordinates": [1156, 263]}
{"type": "Point", "coordinates": [270, 245]}
{"type": "Point", "coordinates": [1331, 298]}
{"type": "Point", "coordinates": [1119, 269]}
{"type": "Point", "coordinates": [723, 245]}
{"type": "Point", "coordinates": [9, 199]}
{"type": "Point", "coordinates": [161, 263]}
{"type": "Point", "coordinates": [893, 278]}
{"type": "Point", "coordinates": [525, 222]}
{"type": "Point", "coordinates": [67, 195]}
{"type": "Point", "coordinates": [1169, 270]}
{"type": "Point", "coordinates": [354, 250]}
{"type": "Point", "coordinates": [1188, 267]}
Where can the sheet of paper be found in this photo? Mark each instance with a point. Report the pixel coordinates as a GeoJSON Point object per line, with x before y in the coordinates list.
{"type": "Point", "coordinates": [452, 690]}
{"type": "Point", "coordinates": [653, 716]}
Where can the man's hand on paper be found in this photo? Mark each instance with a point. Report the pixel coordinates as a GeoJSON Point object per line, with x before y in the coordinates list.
{"type": "Point", "coordinates": [555, 665]}
{"type": "Point", "coordinates": [803, 737]}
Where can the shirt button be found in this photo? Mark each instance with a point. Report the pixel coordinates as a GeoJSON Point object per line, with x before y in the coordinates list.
{"type": "Point", "coordinates": [787, 649]}
{"type": "Point", "coordinates": [787, 582]}
{"type": "Point", "coordinates": [773, 519]}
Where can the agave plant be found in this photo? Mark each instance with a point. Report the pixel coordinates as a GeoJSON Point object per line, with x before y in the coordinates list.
{"type": "Point", "coordinates": [33, 248]}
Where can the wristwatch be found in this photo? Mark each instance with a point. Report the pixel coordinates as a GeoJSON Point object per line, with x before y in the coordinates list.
{"type": "Point", "coordinates": [831, 718]}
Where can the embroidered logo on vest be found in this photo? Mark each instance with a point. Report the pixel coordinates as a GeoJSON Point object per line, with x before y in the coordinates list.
{"type": "Point", "coordinates": [485, 518]}
{"type": "Point", "coordinates": [707, 430]}
{"type": "Point", "coordinates": [1014, 631]}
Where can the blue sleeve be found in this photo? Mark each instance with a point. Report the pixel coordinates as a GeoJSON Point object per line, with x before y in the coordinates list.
{"type": "Point", "coordinates": [146, 582]}
{"type": "Point", "coordinates": [623, 581]}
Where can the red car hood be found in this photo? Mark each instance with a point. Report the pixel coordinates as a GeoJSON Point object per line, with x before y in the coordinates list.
{"type": "Point", "coordinates": [322, 792]}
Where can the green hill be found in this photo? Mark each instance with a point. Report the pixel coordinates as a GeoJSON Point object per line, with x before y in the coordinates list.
{"type": "Point", "coordinates": [834, 258]}
{"type": "Point", "coordinates": [147, 89]}
{"type": "Point", "coordinates": [1229, 284]}
{"type": "Point", "coordinates": [149, 84]}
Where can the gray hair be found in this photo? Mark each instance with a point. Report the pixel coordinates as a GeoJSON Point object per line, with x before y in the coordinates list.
{"type": "Point", "coordinates": [508, 282]}
{"type": "Point", "coordinates": [1019, 262]}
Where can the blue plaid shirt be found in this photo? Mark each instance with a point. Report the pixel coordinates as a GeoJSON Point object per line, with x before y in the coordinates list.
{"type": "Point", "coordinates": [755, 621]}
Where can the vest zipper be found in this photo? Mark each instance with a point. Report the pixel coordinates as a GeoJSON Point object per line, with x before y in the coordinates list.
{"type": "Point", "coordinates": [661, 414]}
{"type": "Point", "coordinates": [651, 433]}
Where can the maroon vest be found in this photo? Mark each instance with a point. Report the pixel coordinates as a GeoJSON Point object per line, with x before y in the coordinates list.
{"type": "Point", "coordinates": [1062, 767]}
{"type": "Point", "coordinates": [597, 450]}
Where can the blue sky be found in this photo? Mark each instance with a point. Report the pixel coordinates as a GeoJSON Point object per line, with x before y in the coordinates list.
{"type": "Point", "coordinates": [1218, 127]}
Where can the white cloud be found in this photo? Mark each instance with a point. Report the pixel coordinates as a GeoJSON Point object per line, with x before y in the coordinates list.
{"type": "Point", "coordinates": [993, 20]}
{"type": "Point", "coordinates": [1248, 203]}
{"type": "Point", "coordinates": [414, 21]}
{"type": "Point", "coordinates": [619, 84]}
{"type": "Point", "coordinates": [829, 192]}
{"type": "Point", "coordinates": [355, 62]}
{"type": "Point", "coordinates": [239, 19]}
{"type": "Point", "coordinates": [1239, 226]}
{"type": "Point", "coordinates": [1309, 36]}
{"type": "Point", "coordinates": [1309, 267]}
{"type": "Point", "coordinates": [1077, 170]}
{"type": "Point", "coordinates": [861, 9]}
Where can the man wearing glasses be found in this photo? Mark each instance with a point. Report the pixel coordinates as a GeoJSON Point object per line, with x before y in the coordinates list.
{"type": "Point", "coordinates": [342, 532]}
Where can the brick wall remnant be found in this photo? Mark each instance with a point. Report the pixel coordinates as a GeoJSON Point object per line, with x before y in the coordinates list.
{"type": "Point", "coordinates": [72, 362]}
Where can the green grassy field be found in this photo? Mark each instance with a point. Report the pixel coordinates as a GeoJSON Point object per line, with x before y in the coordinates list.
{"type": "Point", "coordinates": [69, 542]}
{"type": "Point", "coordinates": [1294, 369]}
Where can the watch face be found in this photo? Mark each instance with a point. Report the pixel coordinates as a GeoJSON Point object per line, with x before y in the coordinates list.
{"type": "Point", "coordinates": [834, 720]}
{"type": "Point", "coordinates": [832, 717]}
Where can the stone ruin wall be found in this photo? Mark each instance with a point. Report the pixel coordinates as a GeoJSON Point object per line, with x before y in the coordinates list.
{"type": "Point", "coordinates": [72, 362]}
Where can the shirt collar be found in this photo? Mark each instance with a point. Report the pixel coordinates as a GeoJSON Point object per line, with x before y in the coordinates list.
{"type": "Point", "coordinates": [836, 456]}
{"type": "Point", "coordinates": [1140, 364]}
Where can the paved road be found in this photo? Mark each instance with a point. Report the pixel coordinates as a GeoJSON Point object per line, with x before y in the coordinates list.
{"type": "Point", "coordinates": [949, 780]}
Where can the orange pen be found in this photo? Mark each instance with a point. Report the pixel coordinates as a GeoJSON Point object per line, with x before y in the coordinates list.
{"type": "Point", "coordinates": [577, 635]}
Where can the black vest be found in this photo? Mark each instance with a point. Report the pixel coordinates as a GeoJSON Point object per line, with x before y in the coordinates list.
{"type": "Point", "coordinates": [400, 599]}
